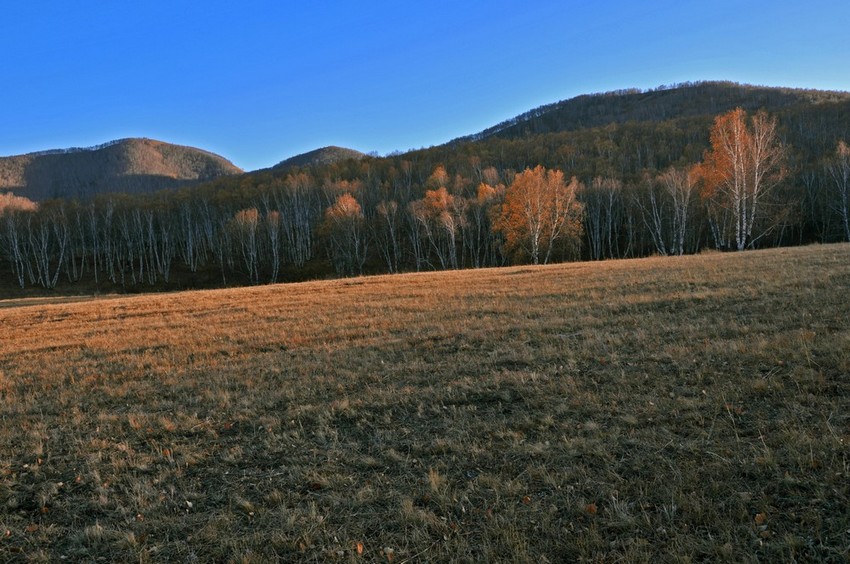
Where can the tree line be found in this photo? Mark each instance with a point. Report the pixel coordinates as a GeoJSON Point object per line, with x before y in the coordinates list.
{"type": "Point", "coordinates": [446, 208]}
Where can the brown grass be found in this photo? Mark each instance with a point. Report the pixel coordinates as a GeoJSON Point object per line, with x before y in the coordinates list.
{"type": "Point", "coordinates": [695, 408]}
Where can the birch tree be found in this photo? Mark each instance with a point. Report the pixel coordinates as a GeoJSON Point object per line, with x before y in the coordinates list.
{"type": "Point", "coordinates": [344, 227]}
{"type": "Point", "coordinates": [245, 227]}
{"type": "Point", "coordinates": [603, 211]}
{"type": "Point", "coordinates": [387, 233]}
{"type": "Point", "coordinates": [744, 165]}
{"type": "Point", "coordinates": [679, 186]}
{"type": "Point", "coordinates": [540, 208]}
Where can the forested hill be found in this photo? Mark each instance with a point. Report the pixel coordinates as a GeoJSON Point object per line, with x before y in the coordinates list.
{"type": "Point", "coordinates": [319, 157]}
{"type": "Point", "coordinates": [126, 165]}
{"type": "Point", "coordinates": [657, 105]}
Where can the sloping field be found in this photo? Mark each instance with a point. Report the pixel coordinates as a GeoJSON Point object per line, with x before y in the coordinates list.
{"type": "Point", "coordinates": [657, 409]}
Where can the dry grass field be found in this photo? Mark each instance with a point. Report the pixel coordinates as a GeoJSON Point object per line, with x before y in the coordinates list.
{"type": "Point", "coordinates": [673, 409]}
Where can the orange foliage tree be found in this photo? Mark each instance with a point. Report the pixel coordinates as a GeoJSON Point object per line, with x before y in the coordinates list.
{"type": "Point", "coordinates": [539, 210]}
{"type": "Point", "coordinates": [439, 216]}
{"type": "Point", "coordinates": [9, 202]}
{"type": "Point", "coordinates": [743, 166]}
{"type": "Point", "coordinates": [344, 227]}
{"type": "Point", "coordinates": [483, 241]}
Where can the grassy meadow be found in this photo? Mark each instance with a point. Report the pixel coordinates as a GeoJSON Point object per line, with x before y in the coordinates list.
{"type": "Point", "coordinates": [662, 409]}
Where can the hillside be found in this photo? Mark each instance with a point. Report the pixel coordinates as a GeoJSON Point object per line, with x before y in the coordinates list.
{"type": "Point", "coordinates": [126, 165]}
{"type": "Point", "coordinates": [657, 105]}
{"type": "Point", "coordinates": [319, 157]}
{"type": "Point", "coordinates": [691, 409]}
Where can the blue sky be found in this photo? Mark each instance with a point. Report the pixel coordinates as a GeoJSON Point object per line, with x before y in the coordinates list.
{"type": "Point", "coordinates": [260, 81]}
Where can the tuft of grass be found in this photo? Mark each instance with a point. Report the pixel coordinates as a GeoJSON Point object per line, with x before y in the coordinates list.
{"type": "Point", "coordinates": [693, 408]}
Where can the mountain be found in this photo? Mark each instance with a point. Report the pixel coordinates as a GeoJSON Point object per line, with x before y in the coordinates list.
{"type": "Point", "coordinates": [125, 165]}
{"type": "Point", "coordinates": [320, 157]}
{"type": "Point", "coordinates": [660, 104]}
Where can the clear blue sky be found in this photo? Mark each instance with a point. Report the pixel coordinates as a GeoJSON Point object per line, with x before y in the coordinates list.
{"type": "Point", "coordinates": [259, 81]}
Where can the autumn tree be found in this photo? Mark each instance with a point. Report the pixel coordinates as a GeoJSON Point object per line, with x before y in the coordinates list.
{"type": "Point", "coordinates": [344, 227]}
{"type": "Point", "coordinates": [539, 210]}
{"type": "Point", "coordinates": [439, 178]}
{"type": "Point", "coordinates": [488, 197]}
{"type": "Point", "coordinates": [9, 203]}
{"type": "Point", "coordinates": [439, 216]}
{"type": "Point", "coordinates": [432, 217]}
{"type": "Point", "coordinates": [744, 164]}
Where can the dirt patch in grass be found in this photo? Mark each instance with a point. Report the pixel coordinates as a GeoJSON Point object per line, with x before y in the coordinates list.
{"type": "Point", "coordinates": [695, 408]}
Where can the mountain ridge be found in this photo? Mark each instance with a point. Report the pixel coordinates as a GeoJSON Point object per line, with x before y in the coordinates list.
{"type": "Point", "coordinates": [673, 101]}
{"type": "Point", "coordinates": [140, 165]}
{"type": "Point", "coordinates": [131, 165]}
